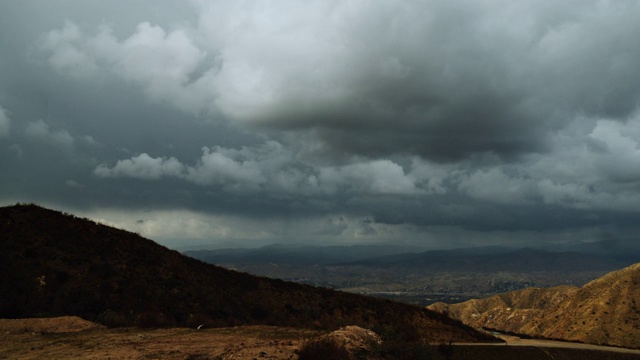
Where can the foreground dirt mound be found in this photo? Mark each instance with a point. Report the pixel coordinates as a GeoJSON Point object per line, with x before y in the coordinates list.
{"type": "Point", "coordinates": [355, 339]}
{"type": "Point", "coordinates": [238, 343]}
{"type": "Point", "coordinates": [64, 324]}
{"type": "Point", "coordinates": [72, 337]}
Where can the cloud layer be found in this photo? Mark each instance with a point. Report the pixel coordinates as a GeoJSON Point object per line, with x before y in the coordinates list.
{"type": "Point", "coordinates": [5, 123]}
{"type": "Point", "coordinates": [443, 81]}
{"type": "Point", "coordinates": [268, 168]}
{"type": "Point", "coordinates": [427, 121]}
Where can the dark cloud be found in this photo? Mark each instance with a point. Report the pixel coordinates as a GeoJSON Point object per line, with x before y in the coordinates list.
{"type": "Point", "coordinates": [430, 122]}
{"type": "Point", "coordinates": [415, 80]}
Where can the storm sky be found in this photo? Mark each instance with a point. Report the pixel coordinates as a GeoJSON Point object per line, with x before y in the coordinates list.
{"type": "Point", "coordinates": [244, 123]}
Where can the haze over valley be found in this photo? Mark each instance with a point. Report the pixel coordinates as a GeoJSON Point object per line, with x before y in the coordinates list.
{"type": "Point", "coordinates": [419, 277]}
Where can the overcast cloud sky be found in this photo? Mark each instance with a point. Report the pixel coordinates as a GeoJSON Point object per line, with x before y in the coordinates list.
{"type": "Point", "coordinates": [244, 123]}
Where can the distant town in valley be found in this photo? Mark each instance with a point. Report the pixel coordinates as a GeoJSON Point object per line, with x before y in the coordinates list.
{"type": "Point", "coordinates": [421, 278]}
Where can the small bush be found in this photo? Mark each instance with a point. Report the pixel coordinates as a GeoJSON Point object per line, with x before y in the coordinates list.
{"type": "Point", "coordinates": [322, 349]}
{"type": "Point", "coordinates": [195, 320]}
{"type": "Point", "coordinates": [112, 319]}
{"type": "Point", "coordinates": [399, 344]}
{"type": "Point", "coordinates": [152, 320]}
{"type": "Point", "coordinates": [405, 351]}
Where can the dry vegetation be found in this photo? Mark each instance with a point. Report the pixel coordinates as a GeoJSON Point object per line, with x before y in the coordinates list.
{"type": "Point", "coordinates": [604, 311]}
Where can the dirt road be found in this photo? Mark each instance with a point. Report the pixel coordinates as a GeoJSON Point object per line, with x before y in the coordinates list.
{"type": "Point", "coordinates": [516, 341]}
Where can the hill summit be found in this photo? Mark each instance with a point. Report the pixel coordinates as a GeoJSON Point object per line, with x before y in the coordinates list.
{"type": "Point", "coordinates": [55, 264]}
{"type": "Point", "coordinates": [604, 311]}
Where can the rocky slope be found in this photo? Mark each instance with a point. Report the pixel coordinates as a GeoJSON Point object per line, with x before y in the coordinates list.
{"type": "Point", "coordinates": [604, 311]}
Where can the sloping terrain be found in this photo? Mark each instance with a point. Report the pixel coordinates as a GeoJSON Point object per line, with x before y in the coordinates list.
{"type": "Point", "coordinates": [604, 311]}
{"type": "Point", "coordinates": [54, 264]}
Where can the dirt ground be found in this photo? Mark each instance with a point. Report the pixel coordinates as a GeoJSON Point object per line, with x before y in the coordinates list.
{"type": "Point", "coordinates": [74, 338]}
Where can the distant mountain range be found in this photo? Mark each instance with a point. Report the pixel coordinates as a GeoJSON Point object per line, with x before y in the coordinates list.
{"type": "Point", "coordinates": [480, 259]}
{"type": "Point", "coordinates": [298, 255]}
{"type": "Point", "coordinates": [604, 311]}
{"type": "Point", "coordinates": [494, 260]}
{"type": "Point", "coordinates": [420, 277]}
{"type": "Point", "coordinates": [54, 264]}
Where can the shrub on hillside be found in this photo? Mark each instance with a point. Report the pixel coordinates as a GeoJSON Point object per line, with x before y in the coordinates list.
{"type": "Point", "coordinates": [399, 343]}
{"type": "Point", "coordinates": [153, 320]}
{"type": "Point", "coordinates": [322, 349]}
{"type": "Point", "coordinates": [112, 319]}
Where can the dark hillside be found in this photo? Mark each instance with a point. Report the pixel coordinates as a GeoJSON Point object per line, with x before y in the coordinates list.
{"type": "Point", "coordinates": [55, 264]}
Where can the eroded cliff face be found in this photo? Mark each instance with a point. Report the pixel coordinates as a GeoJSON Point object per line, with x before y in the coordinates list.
{"type": "Point", "coordinates": [604, 311]}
